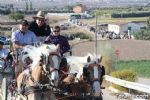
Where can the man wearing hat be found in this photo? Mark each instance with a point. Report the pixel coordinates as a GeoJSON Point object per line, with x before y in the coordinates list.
{"type": "Point", "coordinates": [40, 27]}
{"type": "Point", "coordinates": [23, 36]}
{"type": "Point", "coordinates": [3, 54]}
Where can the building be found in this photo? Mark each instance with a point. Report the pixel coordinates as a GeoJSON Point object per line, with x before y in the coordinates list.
{"type": "Point", "coordinates": [118, 28]}
{"type": "Point", "coordinates": [121, 28]}
{"type": "Point", "coordinates": [79, 8]}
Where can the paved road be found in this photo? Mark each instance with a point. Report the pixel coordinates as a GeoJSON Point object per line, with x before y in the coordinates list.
{"type": "Point", "coordinates": [107, 95]}
{"type": "Point", "coordinates": [145, 81]}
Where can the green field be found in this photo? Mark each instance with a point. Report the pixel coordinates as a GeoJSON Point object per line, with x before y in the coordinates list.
{"type": "Point", "coordinates": [142, 67]}
{"type": "Point", "coordinates": [116, 20]}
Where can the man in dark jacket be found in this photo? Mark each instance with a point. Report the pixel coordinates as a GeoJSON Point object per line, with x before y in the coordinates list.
{"type": "Point", "coordinates": [62, 42]}
{"type": "Point", "coordinates": [40, 27]}
{"type": "Point", "coordinates": [57, 39]}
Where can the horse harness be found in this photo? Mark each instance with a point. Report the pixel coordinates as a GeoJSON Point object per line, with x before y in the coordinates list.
{"type": "Point", "coordinates": [88, 75]}
{"type": "Point", "coordinates": [26, 90]}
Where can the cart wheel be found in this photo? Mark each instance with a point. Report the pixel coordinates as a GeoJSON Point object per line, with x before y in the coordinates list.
{"type": "Point", "coordinates": [4, 89]}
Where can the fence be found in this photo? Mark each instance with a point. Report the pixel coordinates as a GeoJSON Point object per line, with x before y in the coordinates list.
{"type": "Point", "coordinates": [127, 84]}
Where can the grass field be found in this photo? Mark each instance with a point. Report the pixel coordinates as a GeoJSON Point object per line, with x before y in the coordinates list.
{"type": "Point", "coordinates": [116, 20]}
{"type": "Point", "coordinates": [142, 67]}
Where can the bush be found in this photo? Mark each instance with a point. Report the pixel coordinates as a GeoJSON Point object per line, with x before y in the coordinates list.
{"type": "Point", "coordinates": [128, 75]}
{"type": "Point", "coordinates": [81, 35]}
{"type": "Point", "coordinates": [130, 14]}
{"type": "Point", "coordinates": [77, 35]}
{"type": "Point", "coordinates": [16, 16]}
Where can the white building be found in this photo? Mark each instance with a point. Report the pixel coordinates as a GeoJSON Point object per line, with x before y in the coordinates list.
{"type": "Point", "coordinates": [120, 28]}
{"type": "Point", "coordinates": [117, 27]}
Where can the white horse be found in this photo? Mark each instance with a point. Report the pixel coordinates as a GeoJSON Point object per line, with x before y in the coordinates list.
{"type": "Point", "coordinates": [52, 61]}
{"type": "Point", "coordinates": [91, 63]}
{"type": "Point", "coordinates": [41, 59]}
{"type": "Point", "coordinates": [77, 63]}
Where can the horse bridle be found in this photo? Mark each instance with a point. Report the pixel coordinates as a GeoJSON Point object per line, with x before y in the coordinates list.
{"type": "Point", "coordinates": [54, 54]}
{"type": "Point", "coordinates": [86, 72]}
{"type": "Point", "coordinates": [38, 86]}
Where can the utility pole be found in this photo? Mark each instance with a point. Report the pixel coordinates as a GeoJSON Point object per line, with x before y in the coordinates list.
{"type": "Point", "coordinates": [96, 17]}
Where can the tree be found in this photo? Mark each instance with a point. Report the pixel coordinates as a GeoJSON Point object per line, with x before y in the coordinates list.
{"type": "Point", "coordinates": [30, 8]}
{"type": "Point", "coordinates": [16, 16]}
{"type": "Point", "coordinates": [27, 6]}
{"type": "Point", "coordinates": [148, 23]}
{"type": "Point", "coordinates": [144, 33]}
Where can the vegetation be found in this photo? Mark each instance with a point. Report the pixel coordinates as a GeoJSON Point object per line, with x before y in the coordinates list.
{"type": "Point", "coordinates": [128, 15]}
{"type": "Point", "coordinates": [142, 67]}
{"type": "Point", "coordinates": [144, 33]}
{"type": "Point", "coordinates": [128, 75]}
{"type": "Point", "coordinates": [16, 16]}
{"type": "Point", "coordinates": [78, 35]}
{"type": "Point", "coordinates": [107, 12]}
{"type": "Point", "coordinates": [114, 20]}
{"type": "Point", "coordinates": [106, 50]}
{"type": "Point", "coordinates": [1, 33]}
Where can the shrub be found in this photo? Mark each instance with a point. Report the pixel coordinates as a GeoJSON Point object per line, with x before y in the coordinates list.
{"type": "Point", "coordinates": [106, 50]}
{"type": "Point", "coordinates": [77, 35]}
{"type": "Point", "coordinates": [81, 36]}
{"type": "Point", "coordinates": [16, 16]}
{"type": "Point", "coordinates": [2, 33]}
{"type": "Point", "coordinates": [126, 74]}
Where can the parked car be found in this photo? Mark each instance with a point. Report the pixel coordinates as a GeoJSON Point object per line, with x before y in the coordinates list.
{"type": "Point", "coordinates": [5, 40]}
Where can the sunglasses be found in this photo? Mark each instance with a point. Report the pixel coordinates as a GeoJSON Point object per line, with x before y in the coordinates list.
{"type": "Point", "coordinates": [56, 31]}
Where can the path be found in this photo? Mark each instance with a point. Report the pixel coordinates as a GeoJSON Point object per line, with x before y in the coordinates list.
{"type": "Point", "coordinates": [145, 81]}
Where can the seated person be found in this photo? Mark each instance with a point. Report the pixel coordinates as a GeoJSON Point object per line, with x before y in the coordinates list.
{"type": "Point", "coordinates": [21, 38]}
{"type": "Point", "coordinates": [3, 55]}
{"type": "Point", "coordinates": [57, 39]}
{"type": "Point", "coordinates": [62, 42]}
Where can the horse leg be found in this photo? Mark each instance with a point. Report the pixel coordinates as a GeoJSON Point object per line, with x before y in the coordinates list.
{"type": "Point", "coordinates": [19, 80]}
{"type": "Point", "coordinates": [51, 96]}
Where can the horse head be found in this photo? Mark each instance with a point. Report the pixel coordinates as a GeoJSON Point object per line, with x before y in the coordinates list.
{"type": "Point", "coordinates": [92, 72]}
{"type": "Point", "coordinates": [36, 75]}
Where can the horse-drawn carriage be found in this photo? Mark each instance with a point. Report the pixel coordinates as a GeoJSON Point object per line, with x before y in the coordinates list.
{"type": "Point", "coordinates": [48, 77]}
{"type": "Point", "coordinates": [6, 74]}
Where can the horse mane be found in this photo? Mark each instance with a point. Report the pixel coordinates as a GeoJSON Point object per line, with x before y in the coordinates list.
{"type": "Point", "coordinates": [35, 53]}
{"type": "Point", "coordinates": [83, 60]}
{"type": "Point", "coordinates": [78, 62]}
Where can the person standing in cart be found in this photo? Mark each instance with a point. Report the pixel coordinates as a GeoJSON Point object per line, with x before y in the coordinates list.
{"type": "Point", "coordinates": [40, 27]}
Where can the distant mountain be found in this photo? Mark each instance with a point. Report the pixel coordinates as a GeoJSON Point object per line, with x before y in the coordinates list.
{"type": "Point", "coordinates": [88, 3]}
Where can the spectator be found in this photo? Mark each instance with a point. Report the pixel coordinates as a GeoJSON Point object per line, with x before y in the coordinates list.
{"type": "Point", "coordinates": [3, 54]}
{"type": "Point", "coordinates": [40, 27]}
